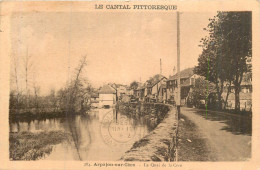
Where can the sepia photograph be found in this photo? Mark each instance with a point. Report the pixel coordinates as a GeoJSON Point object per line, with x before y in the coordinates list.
{"type": "Point", "coordinates": [123, 83]}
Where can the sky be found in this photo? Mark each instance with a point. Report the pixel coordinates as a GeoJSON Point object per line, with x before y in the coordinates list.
{"type": "Point", "coordinates": [120, 47]}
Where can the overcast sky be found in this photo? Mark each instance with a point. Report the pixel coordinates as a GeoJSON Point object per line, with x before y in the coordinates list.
{"type": "Point", "coordinates": [120, 47]}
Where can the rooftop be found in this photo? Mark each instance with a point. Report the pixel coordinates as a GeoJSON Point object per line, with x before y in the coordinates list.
{"type": "Point", "coordinates": [106, 89]}
{"type": "Point", "coordinates": [154, 80]}
{"type": "Point", "coordinates": [186, 73]}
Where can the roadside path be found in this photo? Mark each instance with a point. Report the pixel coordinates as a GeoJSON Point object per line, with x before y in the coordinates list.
{"type": "Point", "coordinates": [225, 137]}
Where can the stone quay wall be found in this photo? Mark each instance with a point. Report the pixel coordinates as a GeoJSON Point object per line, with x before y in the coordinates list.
{"type": "Point", "coordinates": [159, 144]}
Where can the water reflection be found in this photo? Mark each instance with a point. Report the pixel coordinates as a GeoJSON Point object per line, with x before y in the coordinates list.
{"type": "Point", "coordinates": [101, 134]}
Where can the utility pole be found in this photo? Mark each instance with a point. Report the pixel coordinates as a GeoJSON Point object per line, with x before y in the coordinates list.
{"type": "Point", "coordinates": [161, 66]}
{"type": "Point", "coordinates": [178, 99]}
{"type": "Point", "coordinates": [178, 102]}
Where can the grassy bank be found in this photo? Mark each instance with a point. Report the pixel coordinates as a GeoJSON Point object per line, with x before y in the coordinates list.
{"type": "Point", "coordinates": [32, 116]}
{"type": "Point", "coordinates": [32, 146]}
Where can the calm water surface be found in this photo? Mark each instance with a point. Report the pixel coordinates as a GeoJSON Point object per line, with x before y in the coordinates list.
{"type": "Point", "coordinates": [100, 135]}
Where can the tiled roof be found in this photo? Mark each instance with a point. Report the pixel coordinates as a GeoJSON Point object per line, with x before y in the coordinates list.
{"type": "Point", "coordinates": [186, 73]}
{"type": "Point", "coordinates": [106, 89]}
{"type": "Point", "coordinates": [154, 80]}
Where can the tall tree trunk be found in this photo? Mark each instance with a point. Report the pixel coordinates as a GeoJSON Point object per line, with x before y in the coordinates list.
{"type": "Point", "coordinates": [219, 104]}
{"type": "Point", "coordinates": [220, 95]}
{"type": "Point", "coordinates": [36, 104]}
{"type": "Point", "coordinates": [74, 89]}
{"type": "Point", "coordinates": [228, 92]}
{"type": "Point", "coordinates": [17, 85]}
{"type": "Point", "coordinates": [219, 88]}
{"type": "Point", "coordinates": [238, 80]}
{"type": "Point", "coordinates": [237, 98]}
{"type": "Point", "coordinates": [27, 73]}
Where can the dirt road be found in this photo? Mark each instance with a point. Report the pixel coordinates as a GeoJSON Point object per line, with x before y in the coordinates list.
{"type": "Point", "coordinates": [216, 136]}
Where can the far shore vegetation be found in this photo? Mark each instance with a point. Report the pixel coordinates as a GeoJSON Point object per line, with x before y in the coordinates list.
{"type": "Point", "coordinates": [28, 103]}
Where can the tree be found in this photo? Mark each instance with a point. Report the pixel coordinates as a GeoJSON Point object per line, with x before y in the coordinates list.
{"type": "Point", "coordinates": [225, 51]}
{"type": "Point", "coordinates": [52, 98]}
{"type": "Point", "coordinates": [62, 99]}
{"type": "Point", "coordinates": [14, 78]}
{"type": "Point", "coordinates": [23, 83]}
{"type": "Point", "coordinates": [236, 27]}
{"type": "Point", "coordinates": [211, 65]}
{"type": "Point", "coordinates": [134, 85]}
{"type": "Point", "coordinates": [201, 89]}
{"type": "Point", "coordinates": [36, 91]}
{"type": "Point", "coordinates": [76, 87]}
{"type": "Point", "coordinates": [27, 75]}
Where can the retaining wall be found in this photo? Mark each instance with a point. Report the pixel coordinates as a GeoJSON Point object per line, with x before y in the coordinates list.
{"type": "Point", "coordinates": [159, 144]}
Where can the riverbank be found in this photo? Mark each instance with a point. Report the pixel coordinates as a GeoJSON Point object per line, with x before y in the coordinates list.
{"type": "Point", "coordinates": [32, 146]}
{"type": "Point", "coordinates": [33, 114]}
{"type": "Point", "coordinates": [159, 144]}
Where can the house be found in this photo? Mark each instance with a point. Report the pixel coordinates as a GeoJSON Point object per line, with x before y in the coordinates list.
{"type": "Point", "coordinates": [162, 94]}
{"type": "Point", "coordinates": [140, 92]}
{"type": "Point", "coordinates": [245, 101]}
{"type": "Point", "coordinates": [121, 90]}
{"type": "Point", "coordinates": [188, 81]}
{"type": "Point", "coordinates": [129, 91]}
{"type": "Point", "coordinates": [94, 99]}
{"type": "Point", "coordinates": [107, 96]}
{"type": "Point", "coordinates": [187, 77]}
{"type": "Point", "coordinates": [136, 92]}
{"type": "Point", "coordinates": [151, 91]}
{"type": "Point", "coordinates": [245, 95]}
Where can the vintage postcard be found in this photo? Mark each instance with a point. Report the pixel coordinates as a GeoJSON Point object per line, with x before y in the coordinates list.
{"type": "Point", "coordinates": [129, 84]}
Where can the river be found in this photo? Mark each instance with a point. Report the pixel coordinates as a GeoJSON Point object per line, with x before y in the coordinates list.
{"type": "Point", "coordinates": [99, 135]}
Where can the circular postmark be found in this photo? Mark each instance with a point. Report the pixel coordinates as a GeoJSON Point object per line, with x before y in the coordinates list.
{"type": "Point", "coordinates": [117, 129]}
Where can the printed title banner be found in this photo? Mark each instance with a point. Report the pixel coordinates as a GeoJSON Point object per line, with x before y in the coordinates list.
{"type": "Point", "coordinates": [137, 7]}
